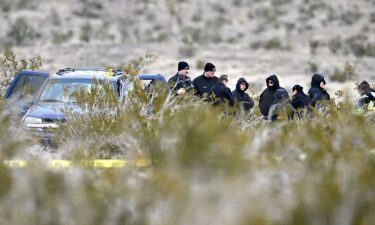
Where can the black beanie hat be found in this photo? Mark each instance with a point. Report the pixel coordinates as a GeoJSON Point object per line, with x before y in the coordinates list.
{"type": "Point", "coordinates": [209, 67]}
{"type": "Point", "coordinates": [183, 65]}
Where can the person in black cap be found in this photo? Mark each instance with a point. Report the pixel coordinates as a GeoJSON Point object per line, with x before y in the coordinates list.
{"type": "Point", "coordinates": [204, 83]}
{"type": "Point", "coordinates": [221, 94]}
{"type": "Point", "coordinates": [317, 92]}
{"type": "Point", "coordinates": [180, 83]}
{"type": "Point", "coordinates": [267, 97]}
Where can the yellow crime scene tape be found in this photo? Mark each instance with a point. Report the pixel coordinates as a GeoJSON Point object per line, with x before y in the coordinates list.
{"type": "Point", "coordinates": [97, 163]}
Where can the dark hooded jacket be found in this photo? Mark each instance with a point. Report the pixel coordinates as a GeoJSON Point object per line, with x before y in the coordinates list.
{"type": "Point", "coordinates": [241, 97]}
{"type": "Point", "coordinates": [221, 94]}
{"type": "Point", "coordinates": [367, 94]}
{"type": "Point", "coordinates": [316, 93]}
{"type": "Point", "coordinates": [203, 85]}
{"type": "Point", "coordinates": [180, 81]}
{"type": "Point", "coordinates": [281, 101]}
{"type": "Point", "coordinates": [300, 100]}
{"type": "Point", "coordinates": [267, 96]}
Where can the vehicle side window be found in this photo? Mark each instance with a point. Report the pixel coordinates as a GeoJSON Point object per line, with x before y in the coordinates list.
{"type": "Point", "coordinates": [27, 85]}
{"type": "Point", "coordinates": [155, 85]}
{"type": "Point", "coordinates": [17, 88]}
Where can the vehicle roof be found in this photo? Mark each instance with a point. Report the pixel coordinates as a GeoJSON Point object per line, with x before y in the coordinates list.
{"type": "Point", "coordinates": [88, 73]}
{"type": "Point", "coordinates": [84, 77]}
{"type": "Point", "coordinates": [151, 76]}
{"type": "Point", "coordinates": [29, 72]}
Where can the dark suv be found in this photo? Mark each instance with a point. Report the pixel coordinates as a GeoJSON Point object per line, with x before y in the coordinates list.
{"type": "Point", "coordinates": [56, 94]}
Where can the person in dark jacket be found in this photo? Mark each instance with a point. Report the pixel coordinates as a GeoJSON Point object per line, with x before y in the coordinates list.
{"type": "Point", "coordinates": [300, 101]}
{"type": "Point", "coordinates": [367, 95]}
{"type": "Point", "coordinates": [317, 92]}
{"type": "Point", "coordinates": [267, 96]}
{"type": "Point", "coordinates": [280, 103]}
{"type": "Point", "coordinates": [180, 83]}
{"type": "Point", "coordinates": [221, 94]}
{"type": "Point", "coordinates": [244, 101]}
{"type": "Point", "coordinates": [204, 83]}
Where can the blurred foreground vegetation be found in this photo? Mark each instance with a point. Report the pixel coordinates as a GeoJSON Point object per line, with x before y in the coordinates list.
{"type": "Point", "coordinates": [207, 167]}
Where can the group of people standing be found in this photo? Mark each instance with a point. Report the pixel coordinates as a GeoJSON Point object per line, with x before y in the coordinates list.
{"type": "Point", "coordinates": [211, 88]}
{"type": "Point", "coordinates": [273, 99]}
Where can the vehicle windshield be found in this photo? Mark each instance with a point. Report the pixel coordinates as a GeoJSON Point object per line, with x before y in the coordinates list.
{"type": "Point", "coordinates": [62, 90]}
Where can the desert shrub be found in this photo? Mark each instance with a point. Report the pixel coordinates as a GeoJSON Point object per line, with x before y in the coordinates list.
{"type": "Point", "coordinates": [350, 17]}
{"type": "Point", "coordinates": [298, 171]}
{"type": "Point", "coordinates": [358, 45]}
{"type": "Point", "coordinates": [372, 17]}
{"type": "Point", "coordinates": [335, 45]}
{"type": "Point", "coordinates": [6, 5]}
{"type": "Point", "coordinates": [271, 44]}
{"type": "Point", "coordinates": [348, 73]}
{"type": "Point", "coordinates": [25, 4]}
{"type": "Point", "coordinates": [61, 37]}
{"type": "Point", "coordinates": [187, 51]}
{"type": "Point", "coordinates": [205, 163]}
{"type": "Point", "coordinates": [200, 63]}
{"type": "Point", "coordinates": [219, 8]}
{"type": "Point", "coordinates": [54, 17]}
{"type": "Point", "coordinates": [237, 3]}
{"type": "Point", "coordinates": [103, 115]}
{"type": "Point", "coordinates": [86, 32]}
{"type": "Point", "coordinates": [197, 16]}
{"type": "Point", "coordinates": [9, 66]}
{"type": "Point", "coordinates": [9, 145]}
{"type": "Point", "coordinates": [89, 9]}
{"type": "Point", "coordinates": [21, 32]}
{"type": "Point", "coordinates": [314, 45]}
{"type": "Point", "coordinates": [312, 67]}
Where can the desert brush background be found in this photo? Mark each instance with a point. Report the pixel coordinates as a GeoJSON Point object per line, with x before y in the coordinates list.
{"type": "Point", "coordinates": [206, 167]}
{"type": "Point", "coordinates": [254, 39]}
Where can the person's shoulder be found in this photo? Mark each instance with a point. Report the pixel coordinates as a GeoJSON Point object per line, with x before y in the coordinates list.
{"type": "Point", "coordinates": [199, 77]}
{"type": "Point", "coordinates": [173, 78]}
{"type": "Point", "coordinates": [313, 90]}
{"type": "Point", "coordinates": [266, 91]}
